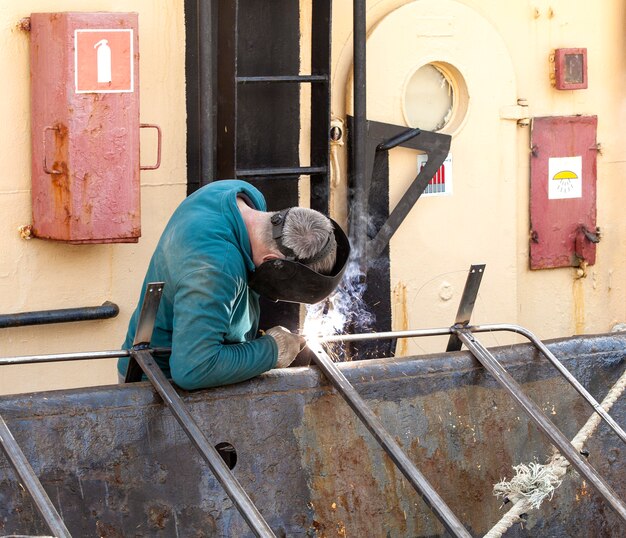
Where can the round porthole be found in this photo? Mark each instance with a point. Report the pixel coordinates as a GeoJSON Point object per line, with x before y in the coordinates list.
{"type": "Point", "coordinates": [435, 98]}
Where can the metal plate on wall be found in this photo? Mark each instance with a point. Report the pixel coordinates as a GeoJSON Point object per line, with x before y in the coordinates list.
{"type": "Point", "coordinates": [563, 176]}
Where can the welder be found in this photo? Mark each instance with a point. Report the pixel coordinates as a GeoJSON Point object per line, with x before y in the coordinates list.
{"type": "Point", "coordinates": [220, 250]}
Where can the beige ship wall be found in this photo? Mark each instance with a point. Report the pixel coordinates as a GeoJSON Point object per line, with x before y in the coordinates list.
{"type": "Point", "coordinates": [502, 51]}
{"type": "Point", "coordinates": [41, 275]}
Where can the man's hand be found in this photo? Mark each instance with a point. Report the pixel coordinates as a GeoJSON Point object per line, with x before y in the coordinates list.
{"type": "Point", "coordinates": [289, 345]}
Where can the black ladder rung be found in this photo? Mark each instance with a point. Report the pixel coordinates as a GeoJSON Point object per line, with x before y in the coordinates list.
{"type": "Point", "coordinates": [278, 172]}
{"type": "Point", "coordinates": [283, 78]}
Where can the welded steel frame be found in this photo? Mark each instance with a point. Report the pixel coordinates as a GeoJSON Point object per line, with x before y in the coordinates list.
{"type": "Point", "coordinates": [491, 364]}
{"type": "Point", "coordinates": [384, 137]}
{"type": "Point", "coordinates": [227, 101]}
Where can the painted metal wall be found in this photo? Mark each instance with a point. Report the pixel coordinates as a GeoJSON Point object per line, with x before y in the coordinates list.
{"type": "Point", "coordinates": [116, 463]}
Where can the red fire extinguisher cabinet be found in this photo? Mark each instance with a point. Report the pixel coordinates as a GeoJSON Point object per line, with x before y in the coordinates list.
{"type": "Point", "coordinates": [85, 127]}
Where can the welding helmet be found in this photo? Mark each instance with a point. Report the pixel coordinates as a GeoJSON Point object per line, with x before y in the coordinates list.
{"type": "Point", "coordinates": [290, 279]}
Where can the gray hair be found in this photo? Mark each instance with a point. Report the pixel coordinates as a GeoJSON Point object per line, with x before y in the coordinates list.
{"type": "Point", "coordinates": [306, 232]}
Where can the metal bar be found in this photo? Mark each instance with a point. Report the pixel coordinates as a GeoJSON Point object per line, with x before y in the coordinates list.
{"type": "Point", "coordinates": [358, 221]}
{"type": "Point", "coordinates": [559, 366]}
{"type": "Point", "coordinates": [207, 82]}
{"type": "Point", "coordinates": [391, 447]}
{"type": "Point", "coordinates": [283, 78]}
{"type": "Point", "coordinates": [221, 471]}
{"type": "Point", "coordinates": [319, 121]}
{"type": "Point", "coordinates": [383, 335]}
{"type": "Point", "coordinates": [287, 171]}
{"type": "Point", "coordinates": [29, 479]}
{"type": "Point", "coordinates": [80, 356]}
{"type": "Point", "coordinates": [159, 145]}
{"type": "Point", "coordinates": [466, 305]}
{"type": "Point", "coordinates": [63, 315]}
{"type": "Point", "coordinates": [145, 326]}
{"type": "Point", "coordinates": [541, 420]}
{"type": "Point", "coordinates": [398, 139]}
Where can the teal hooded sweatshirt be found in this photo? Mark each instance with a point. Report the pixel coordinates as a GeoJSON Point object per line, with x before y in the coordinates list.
{"type": "Point", "coordinates": [208, 315]}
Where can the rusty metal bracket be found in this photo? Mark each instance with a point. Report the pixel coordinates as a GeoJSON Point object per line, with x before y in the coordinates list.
{"type": "Point", "coordinates": [29, 480]}
{"type": "Point", "coordinates": [141, 360]}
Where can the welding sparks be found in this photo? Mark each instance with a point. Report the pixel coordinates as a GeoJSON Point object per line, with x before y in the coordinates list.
{"type": "Point", "coordinates": [343, 311]}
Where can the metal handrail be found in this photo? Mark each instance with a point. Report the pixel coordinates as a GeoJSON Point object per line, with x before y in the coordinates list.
{"type": "Point", "coordinates": [63, 315]}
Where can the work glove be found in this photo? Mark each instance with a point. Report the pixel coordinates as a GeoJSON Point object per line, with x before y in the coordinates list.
{"type": "Point", "coordinates": [289, 345]}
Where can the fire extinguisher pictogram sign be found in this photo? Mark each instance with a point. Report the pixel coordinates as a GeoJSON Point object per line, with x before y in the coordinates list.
{"type": "Point", "coordinates": [103, 60]}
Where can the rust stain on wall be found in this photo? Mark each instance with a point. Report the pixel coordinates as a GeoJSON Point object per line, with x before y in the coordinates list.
{"type": "Point", "coordinates": [579, 305]}
{"type": "Point", "coordinates": [401, 317]}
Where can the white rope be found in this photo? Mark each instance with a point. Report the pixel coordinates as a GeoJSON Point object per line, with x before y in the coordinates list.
{"type": "Point", "coordinates": [545, 478]}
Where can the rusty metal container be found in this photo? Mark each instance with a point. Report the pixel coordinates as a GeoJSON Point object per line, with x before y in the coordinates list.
{"type": "Point", "coordinates": [85, 127]}
{"type": "Point", "coordinates": [116, 463]}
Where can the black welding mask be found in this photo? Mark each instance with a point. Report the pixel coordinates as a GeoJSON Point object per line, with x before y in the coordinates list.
{"type": "Point", "coordinates": [290, 279]}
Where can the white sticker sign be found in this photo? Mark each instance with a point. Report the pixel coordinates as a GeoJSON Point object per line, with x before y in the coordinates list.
{"type": "Point", "coordinates": [441, 183]}
{"type": "Point", "coordinates": [565, 177]}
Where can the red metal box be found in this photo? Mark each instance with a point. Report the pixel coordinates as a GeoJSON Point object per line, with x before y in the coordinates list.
{"type": "Point", "coordinates": [85, 127]}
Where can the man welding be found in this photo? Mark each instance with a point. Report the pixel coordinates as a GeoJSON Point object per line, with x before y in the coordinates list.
{"type": "Point", "coordinates": [218, 252]}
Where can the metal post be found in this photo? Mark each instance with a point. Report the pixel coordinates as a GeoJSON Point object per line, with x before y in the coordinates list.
{"type": "Point", "coordinates": [358, 228]}
{"type": "Point", "coordinates": [541, 420]}
{"type": "Point", "coordinates": [373, 424]}
{"type": "Point", "coordinates": [29, 479]}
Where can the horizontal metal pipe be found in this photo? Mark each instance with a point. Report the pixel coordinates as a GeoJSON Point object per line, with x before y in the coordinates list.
{"type": "Point", "coordinates": [399, 139]}
{"type": "Point", "coordinates": [380, 335]}
{"type": "Point", "coordinates": [284, 78]}
{"type": "Point", "coordinates": [80, 356]}
{"type": "Point", "coordinates": [64, 315]}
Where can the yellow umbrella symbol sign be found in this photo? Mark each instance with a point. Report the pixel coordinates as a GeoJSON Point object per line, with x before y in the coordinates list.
{"type": "Point", "coordinates": [564, 178]}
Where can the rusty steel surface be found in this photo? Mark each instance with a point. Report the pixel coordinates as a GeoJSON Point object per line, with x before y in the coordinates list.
{"type": "Point", "coordinates": [85, 146]}
{"type": "Point", "coordinates": [116, 463]}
